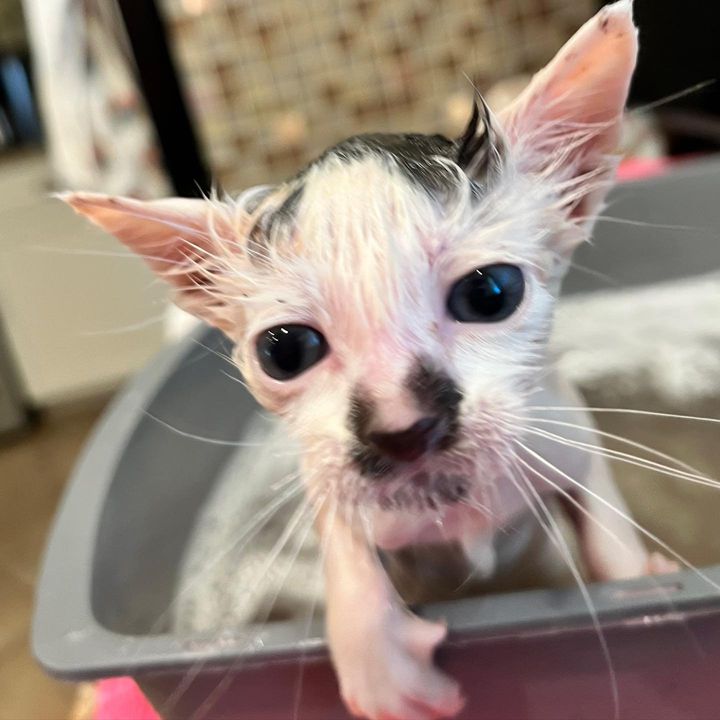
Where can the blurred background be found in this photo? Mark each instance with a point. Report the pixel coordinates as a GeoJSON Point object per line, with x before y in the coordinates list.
{"type": "Point", "coordinates": [153, 97]}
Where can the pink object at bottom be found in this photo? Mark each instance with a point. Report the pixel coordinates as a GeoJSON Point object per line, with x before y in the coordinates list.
{"type": "Point", "coordinates": [642, 168]}
{"type": "Point", "coordinates": [121, 699]}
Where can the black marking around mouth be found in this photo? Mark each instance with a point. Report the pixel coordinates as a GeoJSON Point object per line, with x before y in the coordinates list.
{"type": "Point", "coordinates": [434, 391]}
{"type": "Point", "coordinates": [370, 464]}
{"type": "Point", "coordinates": [441, 490]}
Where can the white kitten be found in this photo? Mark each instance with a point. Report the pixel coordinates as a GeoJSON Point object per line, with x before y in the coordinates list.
{"type": "Point", "coordinates": [393, 303]}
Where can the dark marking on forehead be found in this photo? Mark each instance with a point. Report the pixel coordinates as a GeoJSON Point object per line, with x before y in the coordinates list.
{"type": "Point", "coordinates": [269, 223]}
{"type": "Point", "coordinates": [289, 207]}
{"type": "Point", "coordinates": [413, 154]}
{"type": "Point", "coordinates": [477, 152]}
{"type": "Point", "coordinates": [257, 198]}
{"type": "Point", "coordinates": [480, 147]}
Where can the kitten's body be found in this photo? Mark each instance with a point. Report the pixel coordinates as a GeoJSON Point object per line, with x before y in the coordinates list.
{"type": "Point", "coordinates": [415, 419]}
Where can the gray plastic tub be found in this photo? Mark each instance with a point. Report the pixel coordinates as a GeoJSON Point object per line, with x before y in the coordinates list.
{"type": "Point", "coordinates": [113, 558]}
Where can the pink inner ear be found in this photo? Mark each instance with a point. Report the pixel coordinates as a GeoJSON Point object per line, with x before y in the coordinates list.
{"type": "Point", "coordinates": [174, 237]}
{"type": "Point", "coordinates": [586, 83]}
{"type": "Point", "coordinates": [163, 232]}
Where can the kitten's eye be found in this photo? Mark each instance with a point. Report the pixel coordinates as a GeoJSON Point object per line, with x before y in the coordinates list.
{"type": "Point", "coordinates": [488, 294]}
{"type": "Point", "coordinates": [286, 351]}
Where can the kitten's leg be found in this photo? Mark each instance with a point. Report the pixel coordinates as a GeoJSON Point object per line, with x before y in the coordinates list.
{"type": "Point", "coordinates": [383, 654]}
{"type": "Point", "coordinates": [605, 557]}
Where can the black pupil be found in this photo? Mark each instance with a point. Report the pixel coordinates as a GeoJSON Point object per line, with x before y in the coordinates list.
{"type": "Point", "coordinates": [484, 294]}
{"type": "Point", "coordinates": [285, 351]}
{"type": "Point", "coordinates": [488, 294]}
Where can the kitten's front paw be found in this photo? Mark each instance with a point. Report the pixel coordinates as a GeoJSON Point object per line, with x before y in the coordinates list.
{"type": "Point", "coordinates": [386, 671]}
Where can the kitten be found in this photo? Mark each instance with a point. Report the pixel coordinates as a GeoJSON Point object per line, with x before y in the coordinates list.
{"type": "Point", "coordinates": [393, 303]}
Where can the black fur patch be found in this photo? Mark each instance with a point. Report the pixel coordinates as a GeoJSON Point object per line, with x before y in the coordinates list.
{"type": "Point", "coordinates": [412, 153]}
{"type": "Point", "coordinates": [436, 392]}
{"type": "Point", "coordinates": [359, 417]}
{"type": "Point", "coordinates": [480, 150]}
{"type": "Point", "coordinates": [262, 231]}
{"type": "Point", "coordinates": [289, 207]}
{"type": "Point", "coordinates": [442, 490]}
{"type": "Point", "coordinates": [369, 463]}
{"type": "Point", "coordinates": [415, 154]}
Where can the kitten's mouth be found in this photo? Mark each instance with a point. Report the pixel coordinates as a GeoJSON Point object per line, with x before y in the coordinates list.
{"type": "Point", "coordinates": [378, 468]}
{"type": "Point", "coordinates": [425, 491]}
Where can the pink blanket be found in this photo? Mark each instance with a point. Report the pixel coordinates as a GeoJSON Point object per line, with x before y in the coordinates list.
{"type": "Point", "coordinates": [121, 698]}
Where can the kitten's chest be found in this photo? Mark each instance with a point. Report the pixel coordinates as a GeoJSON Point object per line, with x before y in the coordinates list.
{"type": "Point", "coordinates": [516, 557]}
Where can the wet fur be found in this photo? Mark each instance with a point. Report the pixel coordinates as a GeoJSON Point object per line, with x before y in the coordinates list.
{"type": "Point", "coordinates": [363, 244]}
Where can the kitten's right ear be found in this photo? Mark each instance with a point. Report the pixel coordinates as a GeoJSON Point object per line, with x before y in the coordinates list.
{"type": "Point", "coordinates": [185, 242]}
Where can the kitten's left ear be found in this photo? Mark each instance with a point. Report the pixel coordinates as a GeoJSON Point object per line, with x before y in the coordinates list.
{"type": "Point", "coordinates": [182, 241]}
{"type": "Point", "coordinates": [566, 125]}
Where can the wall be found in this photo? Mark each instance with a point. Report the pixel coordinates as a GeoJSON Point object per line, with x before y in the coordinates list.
{"type": "Point", "coordinates": [80, 313]}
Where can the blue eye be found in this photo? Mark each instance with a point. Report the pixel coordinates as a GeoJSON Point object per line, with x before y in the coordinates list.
{"type": "Point", "coordinates": [488, 294]}
{"type": "Point", "coordinates": [286, 351]}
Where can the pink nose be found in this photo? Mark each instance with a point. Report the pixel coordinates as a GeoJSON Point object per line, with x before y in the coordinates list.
{"type": "Point", "coordinates": [408, 445]}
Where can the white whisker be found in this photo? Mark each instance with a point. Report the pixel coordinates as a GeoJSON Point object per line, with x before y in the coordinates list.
{"type": "Point", "coordinates": [625, 457]}
{"type": "Point", "coordinates": [612, 436]}
{"type": "Point", "coordinates": [555, 535]}
{"type": "Point", "coordinates": [201, 438]}
{"type": "Point", "coordinates": [301, 515]}
{"type": "Point", "coordinates": [651, 536]}
{"type": "Point", "coordinates": [627, 411]}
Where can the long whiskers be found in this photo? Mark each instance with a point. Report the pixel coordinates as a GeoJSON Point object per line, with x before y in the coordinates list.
{"type": "Point", "coordinates": [626, 458]}
{"type": "Point", "coordinates": [651, 536]}
{"type": "Point", "coordinates": [627, 411]}
{"type": "Point", "coordinates": [201, 438]}
{"type": "Point", "coordinates": [619, 438]}
{"type": "Point", "coordinates": [288, 490]}
{"type": "Point", "coordinates": [570, 498]}
{"type": "Point", "coordinates": [549, 525]}
{"type": "Point", "coordinates": [306, 514]}
{"type": "Point", "coordinates": [324, 541]}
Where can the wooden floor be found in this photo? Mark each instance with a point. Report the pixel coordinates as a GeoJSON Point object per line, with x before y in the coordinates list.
{"type": "Point", "coordinates": [33, 472]}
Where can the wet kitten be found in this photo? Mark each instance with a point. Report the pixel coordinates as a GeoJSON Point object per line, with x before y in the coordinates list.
{"type": "Point", "coordinates": [393, 303]}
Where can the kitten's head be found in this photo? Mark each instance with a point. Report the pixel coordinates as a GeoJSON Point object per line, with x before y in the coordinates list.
{"type": "Point", "coordinates": [393, 300]}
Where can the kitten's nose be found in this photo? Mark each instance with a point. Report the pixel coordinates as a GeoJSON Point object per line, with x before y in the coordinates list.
{"type": "Point", "coordinates": [408, 445]}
